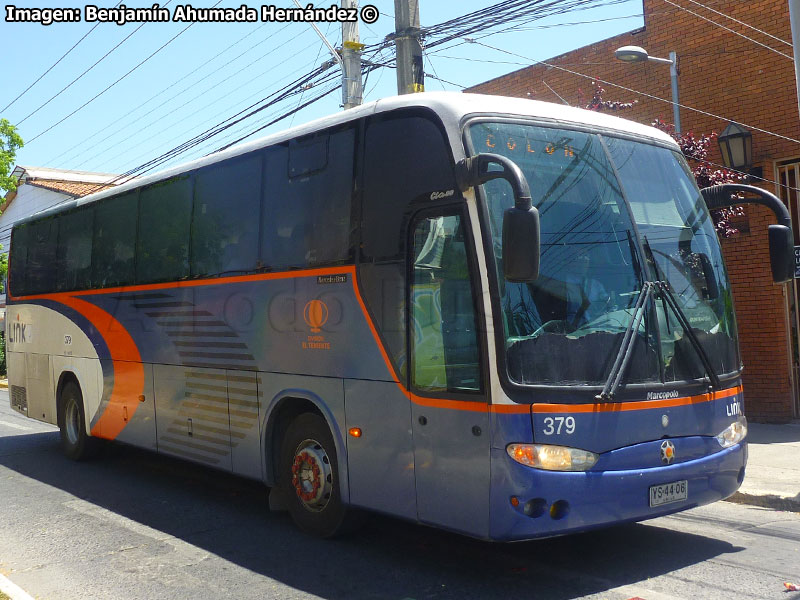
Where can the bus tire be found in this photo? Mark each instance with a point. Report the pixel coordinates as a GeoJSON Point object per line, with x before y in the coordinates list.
{"type": "Point", "coordinates": [75, 442]}
{"type": "Point", "coordinates": [308, 476]}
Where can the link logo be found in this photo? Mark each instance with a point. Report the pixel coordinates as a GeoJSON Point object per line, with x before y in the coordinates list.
{"type": "Point", "coordinates": [20, 333]}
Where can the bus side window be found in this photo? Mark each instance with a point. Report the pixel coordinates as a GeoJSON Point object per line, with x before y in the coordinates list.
{"type": "Point", "coordinates": [308, 187]}
{"type": "Point", "coordinates": [444, 332]}
{"type": "Point", "coordinates": [405, 159]}
{"type": "Point", "coordinates": [40, 270]}
{"type": "Point", "coordinates": [227, 200]}
{"type": "Point", "coordinates": [75, 250]}
{"type": "Point", "coordinates": [18, 260]}
{"type": "Point", "coordinates": [114, 241]}
{"type": "Point", "coordinates": [162, 247]}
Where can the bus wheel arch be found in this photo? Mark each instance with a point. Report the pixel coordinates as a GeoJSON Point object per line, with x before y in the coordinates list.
{"type": "Point", "coordinates": [283, 410]}
{"type": "Point", "coordinates": [76, 443]}
{"type": "Point", "coordinates": [309, 478]}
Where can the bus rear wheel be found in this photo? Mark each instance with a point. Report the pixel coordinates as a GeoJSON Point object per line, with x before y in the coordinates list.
{"type": "Point", "coordinates": [309, 477]}
{"type": "Point", "coordinates": [75, 442]}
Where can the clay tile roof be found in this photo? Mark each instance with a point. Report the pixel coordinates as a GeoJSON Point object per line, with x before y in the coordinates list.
{"type": "Point", "coordinates": [73, 188]}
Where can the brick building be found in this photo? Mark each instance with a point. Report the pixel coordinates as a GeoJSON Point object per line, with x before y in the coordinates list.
{"type": "Point", "coordinates": [720, 73]}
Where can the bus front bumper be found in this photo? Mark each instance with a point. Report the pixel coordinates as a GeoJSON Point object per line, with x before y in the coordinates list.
{"type": "Point", "coordinates": [530, 503]}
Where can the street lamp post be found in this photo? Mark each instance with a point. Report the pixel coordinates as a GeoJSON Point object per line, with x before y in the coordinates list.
{"type": "Point", "coordinates": [632, 54]}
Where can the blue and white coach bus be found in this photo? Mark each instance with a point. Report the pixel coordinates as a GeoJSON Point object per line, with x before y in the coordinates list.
{"type": "Point", "coordinates": [501, 317]}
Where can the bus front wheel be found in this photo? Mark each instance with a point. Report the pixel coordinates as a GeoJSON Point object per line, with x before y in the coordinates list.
{"type": "Point", "coordinates": [75, 442]}
{"type": "Point", "coordinates": [309, 477]}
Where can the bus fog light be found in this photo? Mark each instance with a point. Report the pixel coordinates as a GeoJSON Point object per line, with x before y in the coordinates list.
{"type": "Point", "coordinates": [734, 433]}
{"type": "Point", "coordinates": [552, 458]}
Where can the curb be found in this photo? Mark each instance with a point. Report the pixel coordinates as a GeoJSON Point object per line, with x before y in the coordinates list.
{"type": "Point", "coordinates": [12, 590]}
{"type": "Point", "coordinates": [787, 504]}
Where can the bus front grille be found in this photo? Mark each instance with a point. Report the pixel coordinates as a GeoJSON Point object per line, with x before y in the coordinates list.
{"type": "Point", "coordinates": [19, 398]}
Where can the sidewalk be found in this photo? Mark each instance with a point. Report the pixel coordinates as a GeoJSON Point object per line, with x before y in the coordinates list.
{"type": "Point", "coordinates": [772, 477]}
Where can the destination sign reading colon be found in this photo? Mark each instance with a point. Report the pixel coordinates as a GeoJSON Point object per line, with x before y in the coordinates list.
{"type": "Point", "coordinates": [510, 145]}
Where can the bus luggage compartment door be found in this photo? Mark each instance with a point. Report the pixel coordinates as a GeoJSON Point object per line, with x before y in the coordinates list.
{"type": "Point", "coordinates": [451, 453]}
{"type": "Point", "coordinates": [381, 460]}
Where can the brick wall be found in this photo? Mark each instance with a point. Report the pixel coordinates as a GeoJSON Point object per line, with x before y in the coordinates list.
{"type": "Point", "coordinates": [722, 74]}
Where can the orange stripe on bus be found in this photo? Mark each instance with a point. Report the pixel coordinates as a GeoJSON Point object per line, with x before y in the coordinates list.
{"type": "Point", "coordinates": [640, 405]}
{"type": "Point", "coordinates": [128, 347]}
{"type": "Point", "coordinates": [189, 283]}
{"type": "Point", "coordinates": [128, 383]}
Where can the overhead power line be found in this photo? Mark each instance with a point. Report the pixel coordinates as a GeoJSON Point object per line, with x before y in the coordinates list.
{"type": "Point", "coordinates": [150, 99]}
{"type": "Point", "coordinates": [243, 114]}
{"type": "Point", "coordinates": [633, 91]}
{"type": "Point", "coordinates": [96, 96]}
{"type": "Point", "coordinates": [142, 126]}
{"type": "Point", "coordinates": [38, 79]}
{"type": "Point", "coordinates": [79, 77]}
{"type": "Point", "coordinates": [769, 35]}
{"type": "Point", "coordinates": [691, 12]}
{"type": "Point", "coordinates": [259, 94]}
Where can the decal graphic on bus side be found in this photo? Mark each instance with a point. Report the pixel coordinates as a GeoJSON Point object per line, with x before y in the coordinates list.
{"type": "Point", "coordinates": [20, 333]}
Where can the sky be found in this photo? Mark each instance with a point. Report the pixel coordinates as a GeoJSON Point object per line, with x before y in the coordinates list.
{"type": "Point", "coordinates": [120, 114]}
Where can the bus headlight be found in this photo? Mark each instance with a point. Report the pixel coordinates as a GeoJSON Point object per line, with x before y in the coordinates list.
{"type": "Point", "coordinates": [733, 433]}
{"type": "Point", "coordinates": [552, 458]}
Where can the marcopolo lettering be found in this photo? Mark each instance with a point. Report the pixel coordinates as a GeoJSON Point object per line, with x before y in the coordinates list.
{"type": "Point", "coordinates": [662, 395]}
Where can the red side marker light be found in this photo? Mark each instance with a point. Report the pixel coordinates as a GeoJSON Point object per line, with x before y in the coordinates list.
{"type": "Point", "coordinates": [355, 432]}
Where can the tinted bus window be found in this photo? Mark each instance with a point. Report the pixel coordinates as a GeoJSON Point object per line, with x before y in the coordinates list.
{"type": "Point", "coordinates": [40, 270]}
{"type": "Point", "coordinates": [165, 216]}
{"type": "Point", "coordinates": [114, 243]}
{"type": "Point", "coordinates": [17, 260]}
{"type": "Point", "coordinates": [75, 250]}
{"type": "Point", "coordinates": [226, 216]}
{"type": "Point", "coordinates": [306, 219]}
{"type": "Point", "coordinates": [405, 159]}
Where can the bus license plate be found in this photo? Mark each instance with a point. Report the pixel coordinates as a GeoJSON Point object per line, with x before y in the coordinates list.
{"type": "Point", "coordinates": [669, 492]}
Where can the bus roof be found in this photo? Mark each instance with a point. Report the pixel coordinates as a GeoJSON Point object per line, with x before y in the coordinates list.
{"type": "Point", "coordinates": [452, 107]}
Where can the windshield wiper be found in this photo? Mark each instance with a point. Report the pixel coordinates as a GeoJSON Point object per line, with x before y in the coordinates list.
{"type": "Point", "coordinates": [626, 348]}
{"type": "Point", "coordinates": [668, 297]}
{"type": "Point", "coordinates": [666, 293]}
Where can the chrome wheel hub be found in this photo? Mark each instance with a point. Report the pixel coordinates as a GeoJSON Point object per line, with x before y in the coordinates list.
{"type": "Point", "coordinates": [72, 421]}
{"type": "Point", "coordinates": [312, 475]}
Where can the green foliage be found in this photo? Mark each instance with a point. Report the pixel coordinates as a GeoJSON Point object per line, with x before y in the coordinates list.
{"type": "Point", "coordinates": [3, 270]}
{"type": "Point", "coordinates": [10, 142]}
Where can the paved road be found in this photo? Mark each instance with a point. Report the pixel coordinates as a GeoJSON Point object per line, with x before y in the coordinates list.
{"type": "Point", "coordinates": [133, 525]}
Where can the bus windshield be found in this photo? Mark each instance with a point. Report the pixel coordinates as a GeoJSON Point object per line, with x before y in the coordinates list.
{"type": "Point", "coordinates": [614, 214]}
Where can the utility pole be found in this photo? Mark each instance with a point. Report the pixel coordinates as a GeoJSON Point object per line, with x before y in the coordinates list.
{"type": "Point", "coordinates": [410, 72]}
{"type": "Point", "coordinates": [794, 19]}
{"type": "Point", "coordinates": [352, 91]}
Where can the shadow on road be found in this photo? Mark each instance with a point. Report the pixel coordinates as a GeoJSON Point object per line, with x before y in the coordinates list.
{"type": "Point", "coordinates": [228, 517]}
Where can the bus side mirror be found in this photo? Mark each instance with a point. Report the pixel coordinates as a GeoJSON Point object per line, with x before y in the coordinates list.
{"type": "Point", "coordinates": [520, 224]}
{"type": "Point", "coordinates": [781, 253]}
{"type": "Point", "coordinates": [781, 240]}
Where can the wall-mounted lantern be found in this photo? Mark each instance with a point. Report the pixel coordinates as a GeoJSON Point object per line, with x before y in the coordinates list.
{"type": "Point", "coordinates": [736, 146]}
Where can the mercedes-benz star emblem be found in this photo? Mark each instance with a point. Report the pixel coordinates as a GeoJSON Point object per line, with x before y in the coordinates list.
{"type": "Point", "coordinates": [667, 452]}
